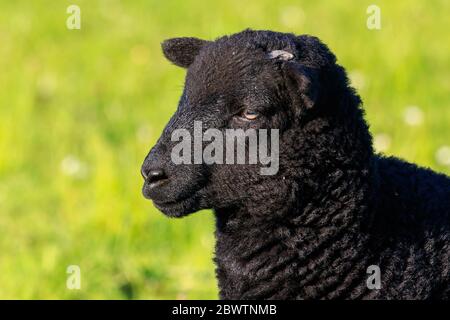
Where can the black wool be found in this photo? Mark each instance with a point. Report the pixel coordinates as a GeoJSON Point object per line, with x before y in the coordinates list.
{"type": "Point", "coordinates": [334, 207]}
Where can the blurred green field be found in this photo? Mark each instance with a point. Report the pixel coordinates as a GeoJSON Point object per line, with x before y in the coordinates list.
{"type": "Point", "coordinates": [79, 110]}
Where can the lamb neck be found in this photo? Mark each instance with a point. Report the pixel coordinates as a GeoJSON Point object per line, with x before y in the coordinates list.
{"type": "Point", "coordinates": [309, 251]}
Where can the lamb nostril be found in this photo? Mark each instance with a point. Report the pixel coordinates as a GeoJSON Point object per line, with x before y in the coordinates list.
{"type": "Point", "coordinates": [155, 175]}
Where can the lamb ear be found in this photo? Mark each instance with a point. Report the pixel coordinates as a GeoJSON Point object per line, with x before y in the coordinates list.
{"type": "Point", "coordinates": [182, 51]}
{"type": "Point", "coordinates": [304, 83]}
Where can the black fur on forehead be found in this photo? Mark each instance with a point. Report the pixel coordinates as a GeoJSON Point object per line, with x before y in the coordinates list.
{"type": "Point", "coordinates": [238, 62]}
{"type": "Point", "coordinates": [307, 49]}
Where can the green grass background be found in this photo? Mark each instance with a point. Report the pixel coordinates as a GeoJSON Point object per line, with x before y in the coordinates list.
{"type": "Point", "coordinates": [79, 110]}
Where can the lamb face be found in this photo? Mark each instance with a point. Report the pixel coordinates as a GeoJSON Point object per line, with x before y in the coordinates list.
{"type": "Point", "coordinates": [253, 80]}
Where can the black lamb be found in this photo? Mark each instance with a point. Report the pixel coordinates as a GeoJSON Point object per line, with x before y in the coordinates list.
{"type": "Point", "coordinates": [333, 209]}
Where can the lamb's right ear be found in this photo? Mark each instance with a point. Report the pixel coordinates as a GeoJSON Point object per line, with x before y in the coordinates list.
{"type": "Point", "coordinates": [182, 51]}
{"type": "Point", "coordinates": [304, 83]}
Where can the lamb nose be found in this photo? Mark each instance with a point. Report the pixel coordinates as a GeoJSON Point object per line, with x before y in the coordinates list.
{"type": "Point", "coordinates": [155, 175]}
{"type": "Point", "coordinates": [152, 173]}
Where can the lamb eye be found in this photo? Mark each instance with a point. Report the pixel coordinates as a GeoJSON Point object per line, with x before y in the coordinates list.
{"type": "Point", "coordinates": [250, 115]}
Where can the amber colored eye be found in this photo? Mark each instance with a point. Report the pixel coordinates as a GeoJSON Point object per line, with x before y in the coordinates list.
{"type": "Point", "coordinates": [250, 115]}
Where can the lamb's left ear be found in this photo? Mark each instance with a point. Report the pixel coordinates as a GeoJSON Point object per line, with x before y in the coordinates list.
{"type": "Point", "coordinates": [182, 51]}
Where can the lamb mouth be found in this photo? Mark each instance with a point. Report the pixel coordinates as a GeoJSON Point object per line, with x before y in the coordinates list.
{"type": "Point", "coordinates": [169, 203]}
{"type": "Point", "coordinates": [179, 207]}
